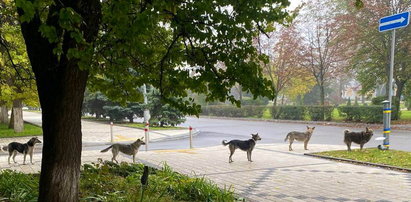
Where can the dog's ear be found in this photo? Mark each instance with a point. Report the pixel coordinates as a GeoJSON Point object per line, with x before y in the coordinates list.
{"type": "Point", "coordinates": [313, 127]}
{"type": "Point", "coordinates": [142, 138]}
{"type": "Point", "coordinates": [308, 127]}
{"type": "Point", "coordinates": [366, 129]}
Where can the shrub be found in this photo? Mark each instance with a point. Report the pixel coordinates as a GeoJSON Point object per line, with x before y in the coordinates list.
{"type": "Point", "coordinates": [288, 112]}
{"type": "Point", "coordinates": [120, 182]}
{"type": "Point", "coordinates": [368, 114]}
{"type": "Point", "coordinates": [320, 113]}
{"type": "Point", "coordinates": [233, 111]}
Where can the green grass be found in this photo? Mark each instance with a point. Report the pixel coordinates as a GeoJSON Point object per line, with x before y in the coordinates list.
{"type": "Point", "coordinates": [142, 126]}
{"type": "Point", "coordinates": [29, 130]}
{"type": "Point", "coordinates": [387, 157]}
{"type": "Point", "coordinates": [112, 182]}
{"type": "Point", "coordinates": [405, 115]}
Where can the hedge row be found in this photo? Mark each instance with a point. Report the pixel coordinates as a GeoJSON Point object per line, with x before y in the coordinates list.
{"type": "Point", "coordinates": [368, 114]}
{"type": "Point", "coordinates": [315, 113]}
{"type": "Point", "coordinates": [233, 111]}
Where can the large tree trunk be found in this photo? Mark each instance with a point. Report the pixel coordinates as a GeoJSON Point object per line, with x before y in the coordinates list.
{"type": "Point", "coordinates": [4, 116]}
{"type": "Point", "coordinates": [322, 95]}
{"type": "Point", "coordinates": [16, 121]}
{"type": "Point", "coordinates": [11, 123]}
{"type": "Point", "coordinates": [396, 102]}
{"type": "Point", "coordinates": [61, 85]}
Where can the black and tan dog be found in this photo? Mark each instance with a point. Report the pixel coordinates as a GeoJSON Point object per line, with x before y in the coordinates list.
{"type": "Point", "coordinates": [130, 149]}
{"type": "Point", "coordinates": [245, 145]}
{"type": "Point", "coordinates": [25, 149]}
{"type": "Point", "coordinates": [300, 136]}
{"type": "Point", "coordinates": [357, 137]}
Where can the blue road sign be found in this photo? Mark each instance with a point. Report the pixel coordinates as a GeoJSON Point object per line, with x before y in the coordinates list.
{"type": "Point", "coordinates": [394, 21]}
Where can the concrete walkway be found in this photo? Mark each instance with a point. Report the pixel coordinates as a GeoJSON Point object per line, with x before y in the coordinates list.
{"type": "Point", "coordinates": [275, 175]}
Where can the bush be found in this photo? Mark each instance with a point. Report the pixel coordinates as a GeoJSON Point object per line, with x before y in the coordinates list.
{"type": "Point", "coordinates": [368, 114]}
{"type": "Point", "coordinates": [288, 112]}
{"type": "Point", "coordinates": [320, 113]}
{"type": "Point", "coordinates": [233, 111]}
{"type": "Point", "coordinates": [120, 182]}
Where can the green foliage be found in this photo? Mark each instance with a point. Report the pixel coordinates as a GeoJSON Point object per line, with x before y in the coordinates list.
{"type": "Point", "coordinates": [374, 155]}
{"type": "Point", "coordinates": [119, 182]}
{"type": "Point", "coordinates": [320, 113]}
{"type": "Point", "coordinates": [251, 101]}
{"type": "Point", "coordinates": [349, 102]}
{"type": "Point", "coordinates": [117, 113]}
{"type": "Point", "coordinates": [367, 114]}
{"type": "Point", "coordinates": [176, 46]}
{"type": "Point", "coordinates": [163, 114]}
{"type": "Point", "coordinates": [29, 130]}
{"type": "Point", "coordinates": [288, 112]}
{"type": "Point", "coordinates": [16, 186]}
{"type": "Point", "coordinates": [232, 111]}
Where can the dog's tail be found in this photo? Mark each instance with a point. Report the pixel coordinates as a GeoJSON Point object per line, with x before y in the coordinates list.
{"type": "Point", "coordinates": [225, 143]}
{"type": "Point", "coordinates": [106, 149]}
{"type": "Point", "coordinates": [4, 149]}
{"type": "Point", "coordinates": [286, 137]}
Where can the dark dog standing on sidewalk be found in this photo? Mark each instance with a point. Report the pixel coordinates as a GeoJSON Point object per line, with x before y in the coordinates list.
{"type": "Point", "coordinates": [358, 137]}
{"type": "Point", "coordinates": [300, 136]}
{"type": "Point", "coordinates": [130, 149]}
{"type": "Point", "coordinates": [245, 145]}
{"type": "Point", "coordinates": [26, 148]}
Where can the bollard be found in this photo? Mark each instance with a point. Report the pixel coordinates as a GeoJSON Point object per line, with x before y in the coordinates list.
{"type": "Point", "coordinates": [146, 135]}
{"type": "Point", "coordinates": [190, 129]}
{"type": "Point", "coordinates": [387, 125]}
{"type": "Point", "coordinates": [111, 132]}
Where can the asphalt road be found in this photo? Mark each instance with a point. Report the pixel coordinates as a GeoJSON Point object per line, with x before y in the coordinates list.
{"type": "Point", "coordinates": [213, 131]}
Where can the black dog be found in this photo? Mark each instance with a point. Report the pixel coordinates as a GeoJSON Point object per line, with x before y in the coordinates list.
{"type": "Point", "coordinates": [28, 147]}
{"type": "Point", "coordinates": [358, 137]}
{"type": "Point", "coordinates": [245, 145]}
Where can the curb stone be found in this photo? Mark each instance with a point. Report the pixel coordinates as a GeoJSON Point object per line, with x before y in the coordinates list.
{"type": "Point", "coordinates": [406, 170]}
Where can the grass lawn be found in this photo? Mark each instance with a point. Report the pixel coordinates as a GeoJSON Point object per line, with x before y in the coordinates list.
{"type": "Point", "coordinates": [29, 130]}
{"type": "Point", "coordinates": [387, 157]}
{"type": "Point", "coordinates": [405, 115]}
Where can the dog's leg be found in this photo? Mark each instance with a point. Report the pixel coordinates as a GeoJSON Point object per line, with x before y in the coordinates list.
{"type": "Point", "coordinates": [361, 145]}
{"type": "Point", "coordinates": [31, 158]}
{"type": "Point", "coordinates": [10, 153]}
{"type": "Point", "coordinates": [249, 156]}
{"type": "Point", "coordinates": [24, 161]}
{"type": "Point", "coordinates": [115, 153]}
{"type": "Point", "coordinates": [291, 142]}
{"type": "Point", "coordinates": [134, 158]}
{"type": "Point", "coordinates": [232, 150]}
{"type": "Point", "coordinates": [348, 145]}
{"type": "Point", "coordinates": [14, 156]}
{"type": "Point", "coordinates": [305, 144]}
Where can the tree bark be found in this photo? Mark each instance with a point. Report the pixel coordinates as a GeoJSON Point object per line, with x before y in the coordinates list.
{"type": "Point", "coordinates": [11, 123]}
{"type": "Point", "coordinates": [61, 85]}
{"type": "Point", "coordinates": [397, 101]}
{"type": "Point", "coordinates": [17, 116]}
{"type": "Point", "coordinates": [4, 116]}
{"type": "Point", "coordinates": [322, 95]}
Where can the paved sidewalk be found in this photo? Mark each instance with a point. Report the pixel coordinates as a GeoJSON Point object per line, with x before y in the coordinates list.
{"type": "Point", "coordinates": [275, 175]}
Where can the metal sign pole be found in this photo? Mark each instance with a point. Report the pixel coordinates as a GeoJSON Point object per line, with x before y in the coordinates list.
{"type": "Point", "coordinates": [111, 132]}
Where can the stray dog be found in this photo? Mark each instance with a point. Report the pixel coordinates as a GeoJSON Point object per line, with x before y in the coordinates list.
{"type": "Point", "coordinates": [15, 147]}
{"type": "Point", "coordinates": [245, 145]}
{"type": "Point", "coordinates": [300, 136]}
{"type": "Point", "coordinates": [129, 149]}
{"type": "Point", "coordinates": [358, 137]}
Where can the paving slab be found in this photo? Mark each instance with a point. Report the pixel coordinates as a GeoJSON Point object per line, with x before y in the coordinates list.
{"type": "Point", "coordinates": [275, 175]}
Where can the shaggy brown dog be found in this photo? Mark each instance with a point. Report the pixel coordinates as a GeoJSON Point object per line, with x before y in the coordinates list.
{"type": "Point", "coordinates": [357, 137]}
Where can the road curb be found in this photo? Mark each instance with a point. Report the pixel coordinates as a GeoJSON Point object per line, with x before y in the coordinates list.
{"type": "Point", "coordinates": [406, 170]}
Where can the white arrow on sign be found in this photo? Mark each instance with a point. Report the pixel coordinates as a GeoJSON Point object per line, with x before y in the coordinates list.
{"type": "Point", "coordinates": [393, 22]}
